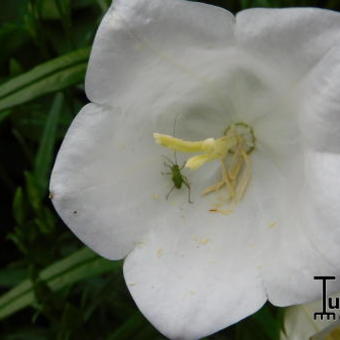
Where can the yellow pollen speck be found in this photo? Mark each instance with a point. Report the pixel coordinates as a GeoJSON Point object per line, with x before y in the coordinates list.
{"type": "Point", "coordinates": [221, 211]}
{"type": "Point", "coordinates": [232, 150]}
{"type": "Point", "coordinates": [212, 262]}
{"type": "Point", "coordinates": [131, 284]}
{"type": "Point", "coordinates": [202, 241]}
{"type": "Point", "coordinates": [160, 252]}
{"type": "Point", "coordinates": [140, 244]}
{"type": "Point", "coordinates": [272, 225]}
{"type": "Point", "coordinates": [155, 196]}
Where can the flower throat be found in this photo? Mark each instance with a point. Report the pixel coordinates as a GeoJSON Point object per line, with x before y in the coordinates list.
{"type": "Point", "coordinates": [232, 150]}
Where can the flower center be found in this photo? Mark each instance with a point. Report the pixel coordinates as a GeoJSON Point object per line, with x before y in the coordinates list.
{"type": "Point", "coordinates": [232, 150]}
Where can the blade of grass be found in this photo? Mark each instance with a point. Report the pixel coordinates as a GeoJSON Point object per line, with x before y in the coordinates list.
{"type": "Point", "coordinates": [129, 328]}
{"type": "Point", "coordinates": [78, 266]}
{"type": "Point", "coordinates": [44, 156]}
{"type": "Point", "coordinates": [64, 9]}
{"type": "Point", "coordinates": [12, 37]}
{"type": "Point", "coordinates": [46, 78]}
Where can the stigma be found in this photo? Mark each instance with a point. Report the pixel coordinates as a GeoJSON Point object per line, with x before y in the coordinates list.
{"type": "Point", "coordinates": [232, 150]}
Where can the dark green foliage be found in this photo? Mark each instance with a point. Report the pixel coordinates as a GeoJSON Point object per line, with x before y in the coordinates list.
{"type": "Point", "coordinates": [51, 287]}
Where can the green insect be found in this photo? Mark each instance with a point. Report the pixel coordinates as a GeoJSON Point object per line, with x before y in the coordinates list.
{"type": "Point", "coordinates": [177, 177]}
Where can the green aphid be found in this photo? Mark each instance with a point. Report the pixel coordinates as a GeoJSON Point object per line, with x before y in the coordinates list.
{"type": "Point", "coordinates": [175, 172]}
{"type": "Point", "coordinates": [177, 177]}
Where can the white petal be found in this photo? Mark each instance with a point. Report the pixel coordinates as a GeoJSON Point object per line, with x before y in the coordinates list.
{"type": "Point", "coordinates": [291, 39]}
{"type": "Point", "coordinates": [150, 49]}
{"type": "Point", "coordinates": [101, 175]}
{"type": "Point", "coordinates": [323, 186]}
{"type": "Point", "coordinates": [307, 245]}
{"type": "Point", "coordinates": [196, 272]}
{"type": "Point", "coordinates": [320, 104]}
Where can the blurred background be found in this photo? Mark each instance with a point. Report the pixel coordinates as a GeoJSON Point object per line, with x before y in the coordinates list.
{"type": "Point", "coordinates": [51, 287]}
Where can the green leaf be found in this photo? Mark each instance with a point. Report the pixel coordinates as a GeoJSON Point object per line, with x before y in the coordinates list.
{"type": "Point", "coordinates": [262, 3]}
{"type": "Point", "coordinates": [19, 206]}
{"type": "Point", "coordinates": [10, 277]}
{"type": "Point", "coordinates": [12, 10]}
{"type": "Point", "coordinates": [64, 8]}
{"type": "Point", "coordinates": [76, 267]}
{"type": "Point", "coordinates": [245, 3]}
{"type": "Point", "coordinates": [27, 334]}
{"type": "Point", "coordinates": [15, 68]}
{"type": "Point", "coordinates": [4, 115]}
{"type": "Point", "coordinates": [46, 220]}
{"type": "Point", "coordinates": [49, 77]}
{"type": "Point", "coordinates": [82, 3]}
{"type": "Point", "coordinates": [49, 10]}
{"type": "Point", "coordinates": [44, 156]}
{"type": "Point", "coordinates": [129, 328]}
{"type": "Point", "coordinates": [270, 325]}
{"type": "Point", "coordinates": [33, 192]}
{"type": "Point", "coordinates": [103, 5]}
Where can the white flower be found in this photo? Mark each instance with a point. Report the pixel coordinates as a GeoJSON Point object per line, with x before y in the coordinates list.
{"type": "Point", "coordinates": [190, 269]}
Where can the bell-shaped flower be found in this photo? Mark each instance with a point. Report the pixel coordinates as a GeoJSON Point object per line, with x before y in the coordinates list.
{"type": "Point", "coordinates": [209, 158]}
